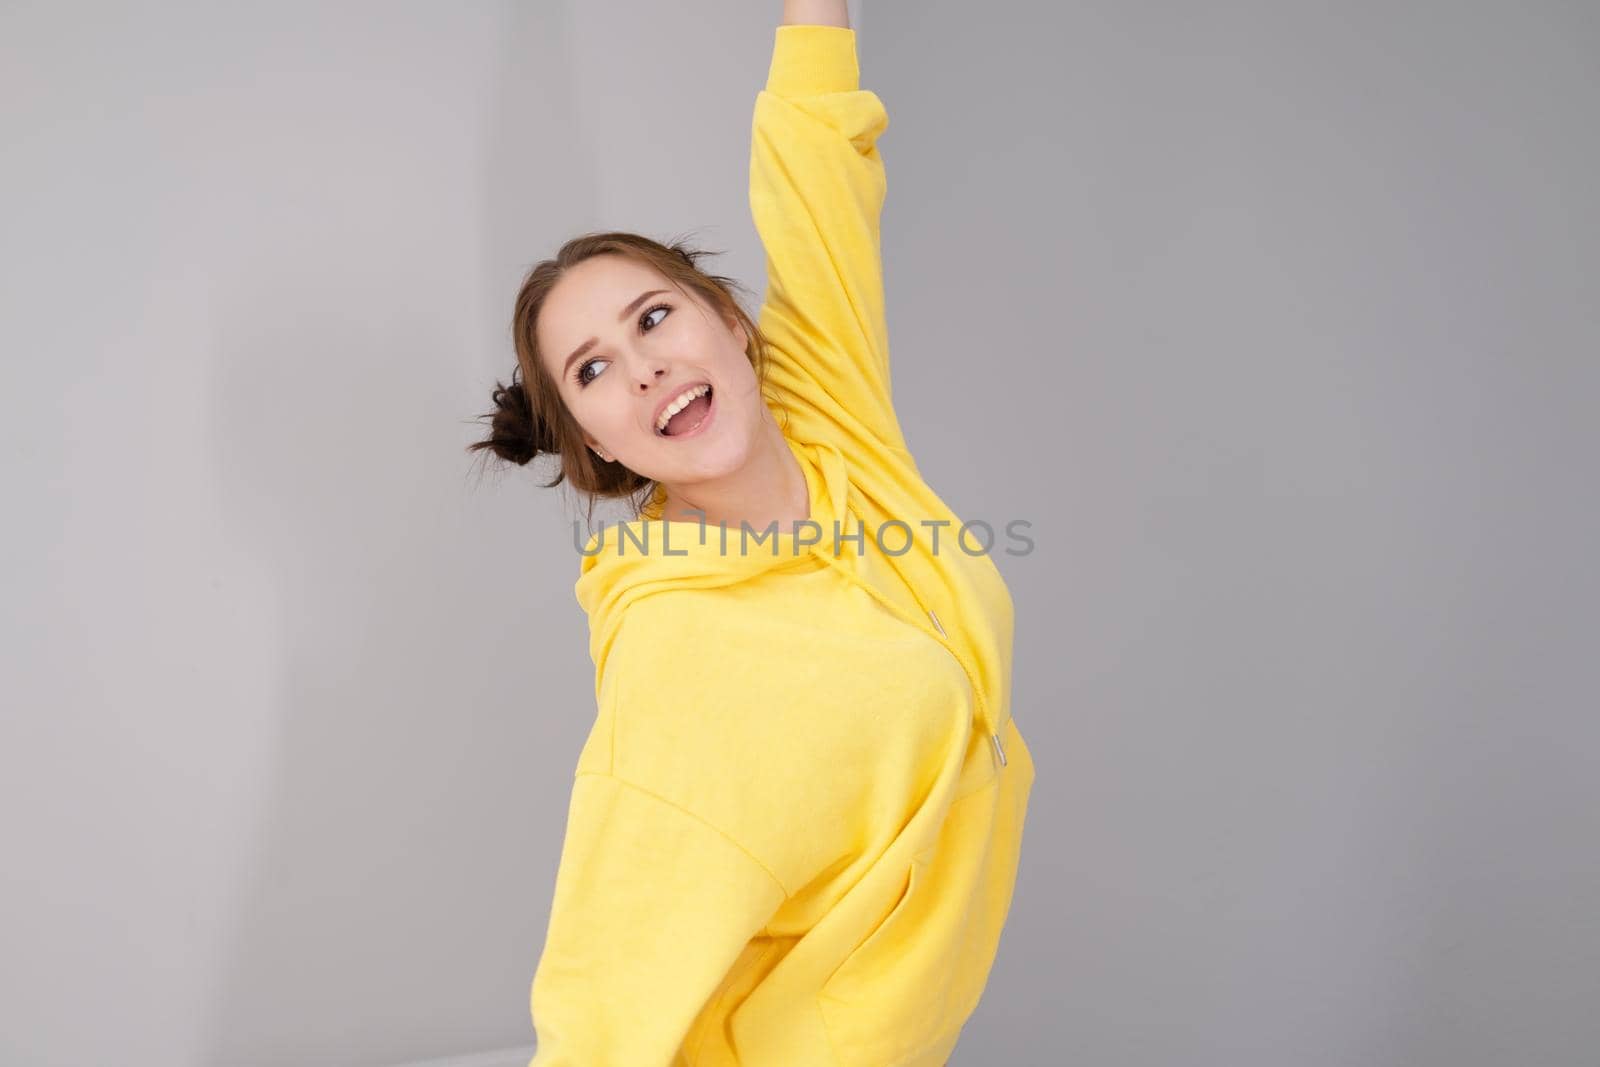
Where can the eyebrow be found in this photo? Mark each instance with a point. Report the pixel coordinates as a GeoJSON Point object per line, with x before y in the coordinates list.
{"type": "Point", "coordinates": [591, 342]}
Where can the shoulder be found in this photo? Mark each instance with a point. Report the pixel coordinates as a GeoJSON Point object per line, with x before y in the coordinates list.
{"type": "Point", "coordinates": [683, 638]}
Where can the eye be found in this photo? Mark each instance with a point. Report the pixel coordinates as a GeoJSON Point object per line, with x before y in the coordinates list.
{"type": "Point", "coordinates": [652, 311]}
{"type": "Point", "coordinates": [581, 374]}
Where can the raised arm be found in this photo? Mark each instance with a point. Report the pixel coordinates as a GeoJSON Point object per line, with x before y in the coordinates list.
{"type": "Point", "coordinates": [817, 189]}
{"type": "Point", "coordinates": [816, 13]}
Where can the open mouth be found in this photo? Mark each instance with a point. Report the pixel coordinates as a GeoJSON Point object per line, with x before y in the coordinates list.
{"type": "Point", "coordinates": [691, 418]}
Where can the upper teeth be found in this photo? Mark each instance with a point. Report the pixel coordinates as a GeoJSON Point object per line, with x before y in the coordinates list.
{"type": "Point", "coordinates": [679, 404]}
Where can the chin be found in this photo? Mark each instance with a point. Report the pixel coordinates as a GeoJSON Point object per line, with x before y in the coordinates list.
{"type": "Point", "coordinates": [715, 456]}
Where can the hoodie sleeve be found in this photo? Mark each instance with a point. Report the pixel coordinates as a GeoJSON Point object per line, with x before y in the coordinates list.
{"type": "Point", "coordinates": [652, 908]}
{"type": "Point", "coordinates": [816, 194]}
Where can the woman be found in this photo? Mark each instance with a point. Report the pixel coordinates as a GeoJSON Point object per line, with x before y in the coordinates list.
{"type": "Point", "coordinates": [795, 825]}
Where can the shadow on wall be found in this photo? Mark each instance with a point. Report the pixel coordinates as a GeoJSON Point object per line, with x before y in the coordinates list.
{"type": "Point", "coordinates": [390, 193]}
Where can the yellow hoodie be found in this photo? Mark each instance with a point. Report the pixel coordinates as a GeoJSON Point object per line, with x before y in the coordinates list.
{"type": "Point", "coordinates": [795, 825]}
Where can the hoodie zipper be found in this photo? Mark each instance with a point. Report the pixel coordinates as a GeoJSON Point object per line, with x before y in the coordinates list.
{"type": "Point", "coordinates": [940, 636]}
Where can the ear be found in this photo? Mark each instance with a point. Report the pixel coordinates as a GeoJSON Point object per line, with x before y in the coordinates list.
{"type": "Point", "coordinates": [738, 330]}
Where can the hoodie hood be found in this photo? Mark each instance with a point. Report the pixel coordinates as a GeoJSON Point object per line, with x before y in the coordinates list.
{"type": "Point", "coordinates": [627, 561]}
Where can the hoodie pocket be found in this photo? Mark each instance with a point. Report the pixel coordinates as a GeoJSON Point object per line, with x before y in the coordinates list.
{"type": "Point", "coordinates": [885, 999]}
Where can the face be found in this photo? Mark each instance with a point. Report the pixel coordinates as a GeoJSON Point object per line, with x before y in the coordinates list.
{"type": "Point", "coordinates": [646, 349]}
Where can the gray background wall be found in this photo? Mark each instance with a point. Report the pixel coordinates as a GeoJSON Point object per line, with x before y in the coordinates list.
{"type": "Point", "coordinates": [1277, 321]}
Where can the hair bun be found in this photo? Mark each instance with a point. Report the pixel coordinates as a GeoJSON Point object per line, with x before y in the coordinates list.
{"type": "Point", "coordinates": [516, 434]}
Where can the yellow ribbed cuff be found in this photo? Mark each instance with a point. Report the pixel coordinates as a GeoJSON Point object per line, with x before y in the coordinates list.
{"type": "Point", "coordinates": [809, 59]}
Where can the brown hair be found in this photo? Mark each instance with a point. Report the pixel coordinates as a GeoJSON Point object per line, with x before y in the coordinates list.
{"type": "Point", "coordinates": [530, 417]}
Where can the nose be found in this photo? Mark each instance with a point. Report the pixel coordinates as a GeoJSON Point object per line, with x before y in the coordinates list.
{"type": "Point", "coordinates": [646, 371]}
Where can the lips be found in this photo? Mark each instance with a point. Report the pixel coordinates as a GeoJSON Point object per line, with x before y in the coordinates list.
{"type": "Point", "coordinates": [666, 402]}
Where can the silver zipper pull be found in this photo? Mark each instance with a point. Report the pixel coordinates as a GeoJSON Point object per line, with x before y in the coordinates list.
{"type": "Point", "coordinates": [936, 625]}
{"type": "Point", "coordinates": [998, 750]}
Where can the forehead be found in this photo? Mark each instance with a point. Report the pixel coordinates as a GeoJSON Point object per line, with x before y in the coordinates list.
{"type": "Point", "coordinates": [586, 299]}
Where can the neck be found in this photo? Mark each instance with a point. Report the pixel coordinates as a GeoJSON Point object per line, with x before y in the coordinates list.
{"type": "Point", "coordinates": [769, 487]}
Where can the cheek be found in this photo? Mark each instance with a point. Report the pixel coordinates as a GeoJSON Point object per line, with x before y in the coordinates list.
{"type": "Point", "coordinates": [615, 423]}
{"type": "Point", "coordinates": [731, 358]}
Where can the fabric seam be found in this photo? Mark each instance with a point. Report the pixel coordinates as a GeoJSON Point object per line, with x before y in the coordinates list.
{"type": "Point", "coordinates": [713, 827]}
